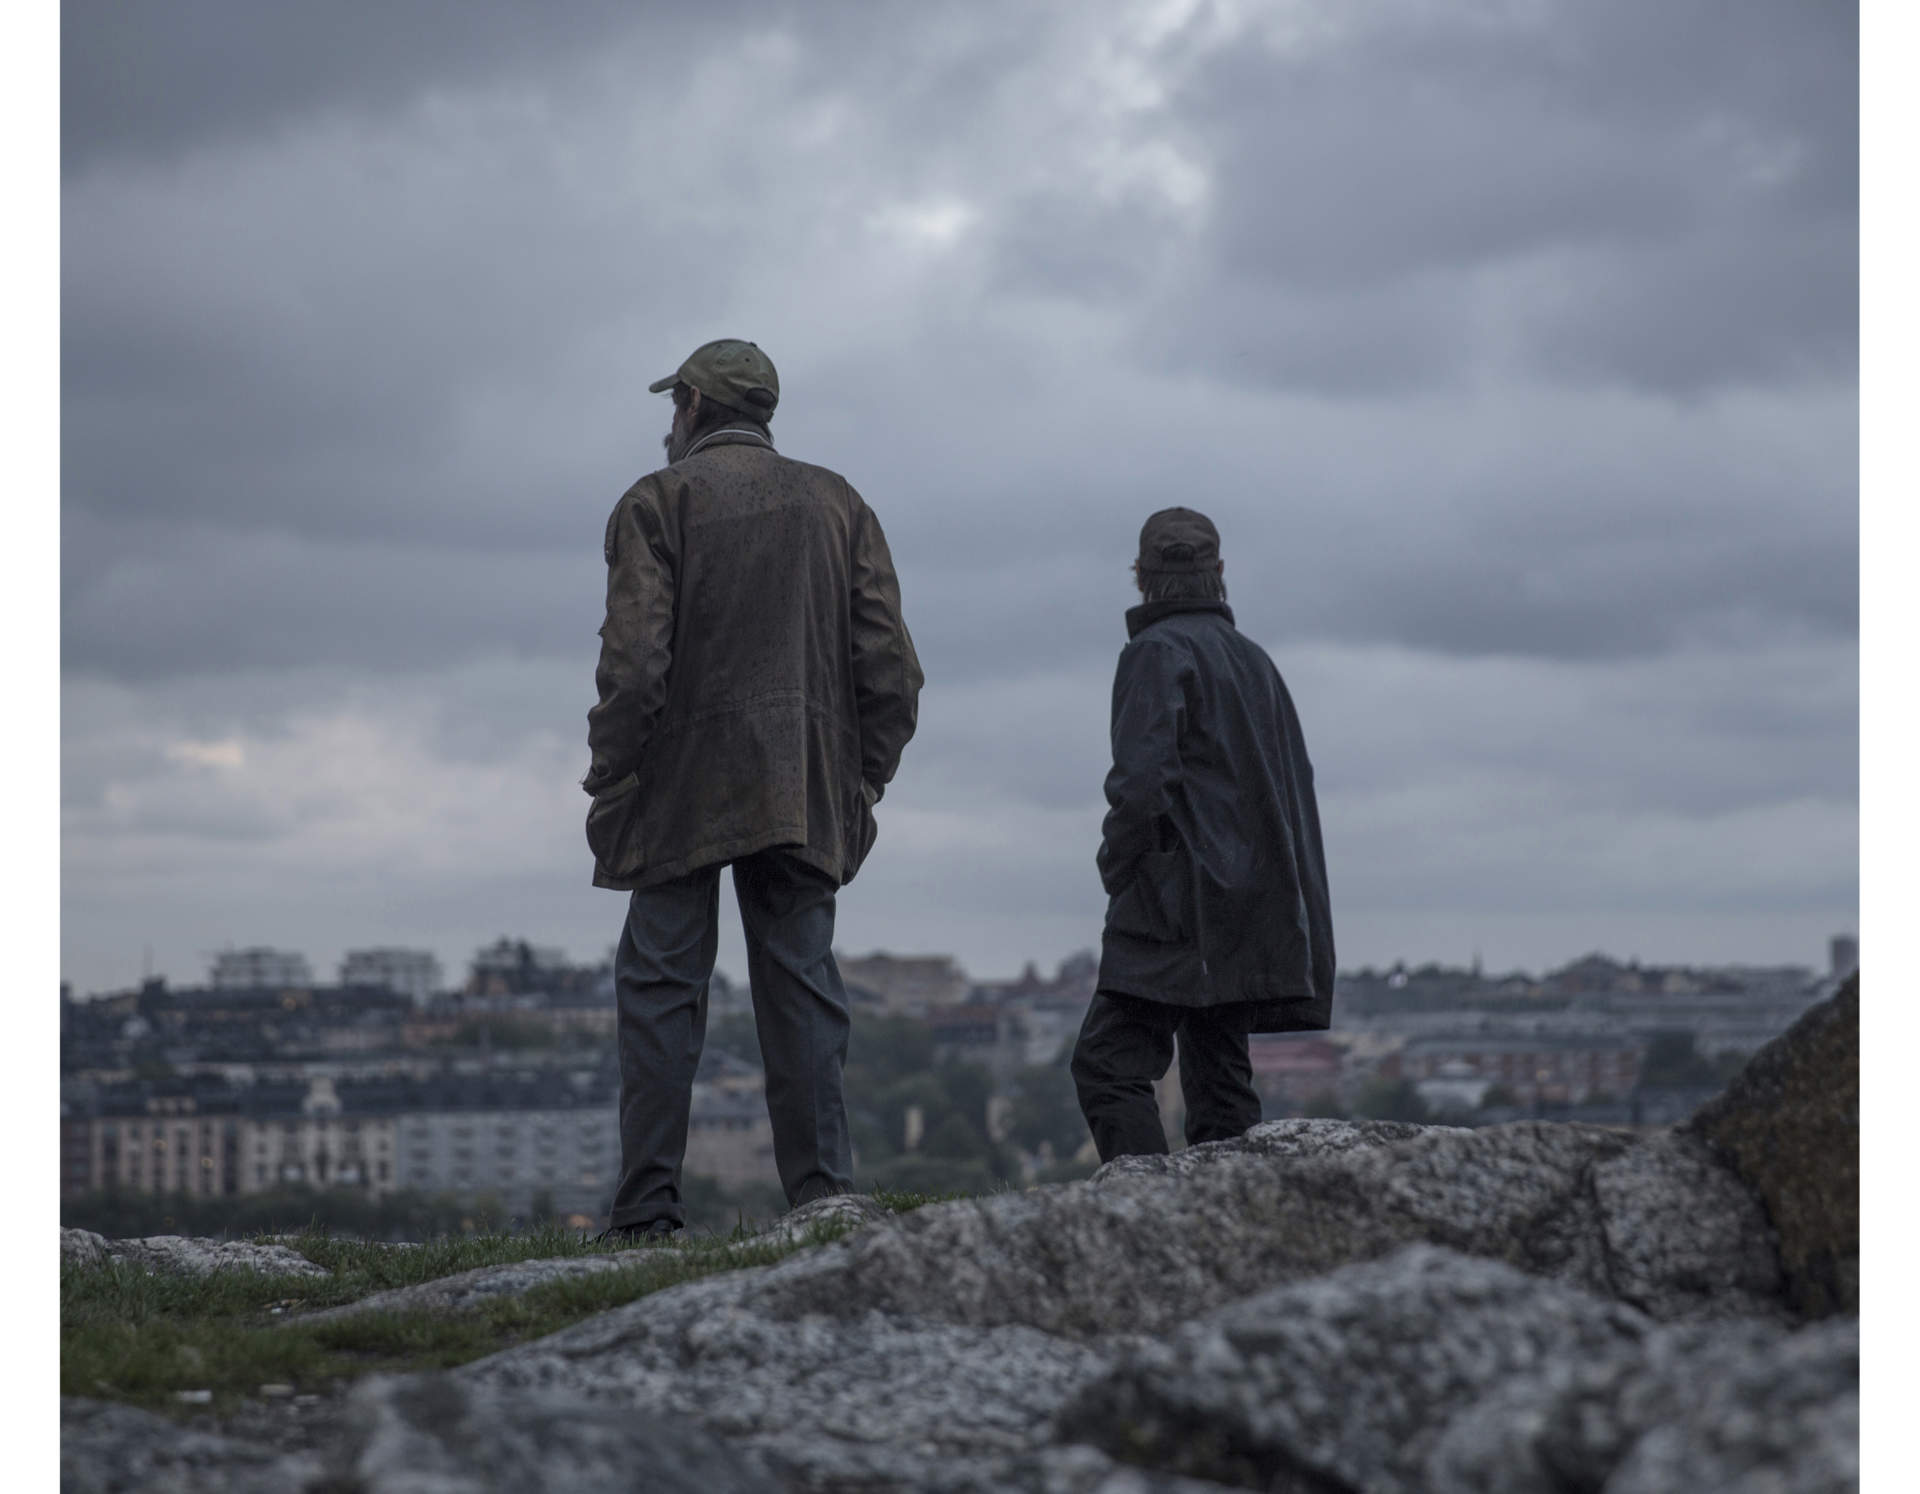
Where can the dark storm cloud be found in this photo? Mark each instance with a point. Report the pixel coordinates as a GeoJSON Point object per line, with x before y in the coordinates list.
{"type": "Point", "coordinates": [1062, 245]}
{"type": "Point", "coordinates": [150, 81]}
{"type": "Point", "coordinates": [314, 350]}
{"type": "Point", "coordinates": [1663, 195]}
{"type": "Point", "coordinates": [151, 603]}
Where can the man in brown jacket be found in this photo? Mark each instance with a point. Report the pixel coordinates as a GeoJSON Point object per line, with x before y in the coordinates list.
{"type": "Point", "coordinates": [757, 686]}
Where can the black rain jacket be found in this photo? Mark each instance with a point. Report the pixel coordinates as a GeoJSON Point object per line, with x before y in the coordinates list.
{"type": "Point", "coordinates": [1211, 854]}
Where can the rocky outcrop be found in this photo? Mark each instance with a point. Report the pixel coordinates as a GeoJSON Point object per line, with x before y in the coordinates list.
{"type": "Point", "coordinates": [110, 1449]}
{"type": "Point", "coordinates": [1319, 1307]}
{"type": "Point", "coordinates": [1745, 1407]}
{"type": "Point", "coordinates": [185, 1256]}
{"type": "Point", "coordinates": [82, 1247]}
{"type": "Point", "coordinates": [860, 1399]}
{"type": "Point", "coordinates": [438, 1433]}
{"type": "Point", "coordinates": [1433, 1373]}
{"type": "Point", "coordinates": [470, 1289]}
{"type": "Point", "coordinates": [1147, 1243]}
{"type": "Point", "coordinates": [1789, 1125]}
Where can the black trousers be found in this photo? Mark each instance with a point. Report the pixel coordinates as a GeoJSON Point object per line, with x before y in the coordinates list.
{"type": "Point", "coordinates": [1127, 1042]}
{"type": "Point", "coordinates": [660, 974]}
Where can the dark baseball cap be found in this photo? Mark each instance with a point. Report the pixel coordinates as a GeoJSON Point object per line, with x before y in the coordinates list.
{"type": "Point", "coordinates": [734, 372]}
{"type": "Point", "coordinates": [1178, 540]}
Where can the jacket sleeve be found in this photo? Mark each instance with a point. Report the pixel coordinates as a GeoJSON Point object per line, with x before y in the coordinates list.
{"type": "Point", "coordinates": [886, 671]}
{"type": "Point", "coordinates": [635, 643]}
{"type": "Point", "coordinates": [1149, 716]}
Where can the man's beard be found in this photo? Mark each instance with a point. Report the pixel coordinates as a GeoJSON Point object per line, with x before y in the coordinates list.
{"type": "Point", "coordinates": [676, 440]}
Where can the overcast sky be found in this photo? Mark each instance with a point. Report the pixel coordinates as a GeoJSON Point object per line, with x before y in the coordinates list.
{"type": "Point", "coordinates": [1512, 347]}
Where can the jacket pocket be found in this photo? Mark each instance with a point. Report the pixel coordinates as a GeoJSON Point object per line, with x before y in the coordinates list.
{"type": "Point", "coordinates": [613, 827]}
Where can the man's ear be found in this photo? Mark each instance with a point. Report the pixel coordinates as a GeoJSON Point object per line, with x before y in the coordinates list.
{"type": "Point", "coordinates": [693, 403]}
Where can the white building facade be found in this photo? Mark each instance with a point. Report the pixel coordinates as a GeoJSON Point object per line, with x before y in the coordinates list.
{"type": "Point", "coordinates": [259, 968]}
{"type": "Point", "coordinates": [411, 972]}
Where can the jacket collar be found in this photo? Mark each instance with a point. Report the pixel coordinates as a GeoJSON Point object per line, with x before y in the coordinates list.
{"type": "Point", "coordinates": [734, 433]}
{"type": "Point", "coordinates": [1149, 613]}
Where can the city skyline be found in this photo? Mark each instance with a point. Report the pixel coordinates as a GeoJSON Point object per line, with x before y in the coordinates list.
{"type": "Point", "coordinates": [1839, 948]}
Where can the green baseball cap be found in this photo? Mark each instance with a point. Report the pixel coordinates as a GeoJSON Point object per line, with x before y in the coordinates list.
{"type": "Point", "coordinates": [735, 373]}
{"type": "Point", "coordinates": [1178, 541]}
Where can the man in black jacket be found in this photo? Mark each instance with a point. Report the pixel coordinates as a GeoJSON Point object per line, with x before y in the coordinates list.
{"type": "Point", "coordinates": [1218, 922]}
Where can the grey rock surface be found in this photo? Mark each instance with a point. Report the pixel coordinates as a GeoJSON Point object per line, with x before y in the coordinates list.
{"type": "Point", "coordinates": [841, 1213]}
{"type": "Point", "coordinates": [82, 1247]}
{"type": "Point", "coordinates": [1430, 1371]}
{"type": "Point", "coordinates": [1284, 1139]}
{"type": "Point", "coordinates": [1747, 1406]}
{"type": "Point", "coordinates": [434, 1434]}
{"type": "Point", "coordinates": [858, 1399]}
{"type": "Point", "coordinates": [1344, 1382]}
{"type": "Point", "coordinates": [1789, 1126]}
{"type": "Point", "coordinates": [1148, 1243]}
{"type": "Point", "coordinates": [1076, 1469]}
{"type": "Point", "coordinates": [113, 1449]}
{"type": "Point", "coordinates": [1786, 1422]}
{"type": "Point", "coordinates": [469, 1289]}
{"type": "Point", "coordinates": [197, 1257]}
{"type": "Point", "coordinates": [1684, 1237]}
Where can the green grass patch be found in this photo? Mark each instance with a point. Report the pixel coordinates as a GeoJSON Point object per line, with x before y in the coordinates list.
{"type": "Point", "coordinates": [128, 1335]}
{"type": "Point", "coordinates": [904, 1201]}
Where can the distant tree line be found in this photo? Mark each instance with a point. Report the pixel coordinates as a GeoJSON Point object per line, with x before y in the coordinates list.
{"type": "Point", "coordinates": [405, 1215]}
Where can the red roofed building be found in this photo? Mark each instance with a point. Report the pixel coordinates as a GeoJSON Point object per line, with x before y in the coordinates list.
{"type": "Point", "coordinates": [1293, 1070]}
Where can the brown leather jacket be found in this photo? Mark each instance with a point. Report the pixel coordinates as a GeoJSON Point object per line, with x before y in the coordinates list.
{"type": "Point", "coordinates": [757, 682]}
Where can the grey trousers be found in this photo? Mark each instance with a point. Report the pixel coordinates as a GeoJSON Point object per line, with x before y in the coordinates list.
{"type": "Point", "coordinates": [660, 974]}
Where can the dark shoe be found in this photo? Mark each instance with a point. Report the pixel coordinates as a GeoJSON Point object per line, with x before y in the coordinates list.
{"type": "Point", "coordinates": [637, 1234]}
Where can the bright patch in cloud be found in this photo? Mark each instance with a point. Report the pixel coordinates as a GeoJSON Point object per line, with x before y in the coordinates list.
{"type": "Point", "coordinates": [936, 222]}
{"type": "Point", "coordinates": [229, 752]}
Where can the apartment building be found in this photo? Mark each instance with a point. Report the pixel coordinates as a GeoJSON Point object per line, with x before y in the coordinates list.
{"type": "Point", "coordinates": [414, 973]}
{"type": "Point", "coordinates": [1291, 1071]}
{"type": "Point", "coordinates": [729, 1136]}
{"type": "Point", "coordinates": [141, 1142]}
{"type": "Point", "coordinates": [904, 985]}
{"type": "Point", "coordinates": [313, 1139]}
{"type": "Point", "coordinates": [1564, 1068]}
{"type": "Point", "coordinates": [515, 1135]}
{"type": "Point", "coordinates": [259, 968]}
